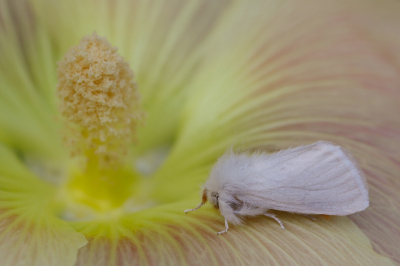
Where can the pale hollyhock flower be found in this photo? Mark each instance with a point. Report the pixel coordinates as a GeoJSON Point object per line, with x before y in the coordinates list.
{"type": "Point", "coordinates": [205, 75]}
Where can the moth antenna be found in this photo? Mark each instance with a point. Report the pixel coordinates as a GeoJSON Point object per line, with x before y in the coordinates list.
{"type": "Point", "coordinates": [203, 201]}
{"type": "Point", "coordinates": [198, 207]}
{"type": "Point", "coordinates": [275, 218]}
{"type": "Point", "coordinates": [226, 228]}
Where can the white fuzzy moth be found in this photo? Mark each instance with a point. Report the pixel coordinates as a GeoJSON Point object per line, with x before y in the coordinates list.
{"type": "Point", "coordinates": [321, 178]}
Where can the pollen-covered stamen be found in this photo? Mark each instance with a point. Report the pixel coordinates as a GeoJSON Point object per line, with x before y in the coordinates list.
{"type": "Point", "coordinates": [98, 100]}
{"type": "Point", "coordinates": [100, 106]}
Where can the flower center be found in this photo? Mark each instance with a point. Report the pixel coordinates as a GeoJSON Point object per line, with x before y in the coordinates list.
{"type": "Point", "coordinates": [100, 106]}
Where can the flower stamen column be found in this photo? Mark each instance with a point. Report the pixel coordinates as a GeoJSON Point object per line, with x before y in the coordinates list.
{"type": "Point", "coordinates": [100, 105]}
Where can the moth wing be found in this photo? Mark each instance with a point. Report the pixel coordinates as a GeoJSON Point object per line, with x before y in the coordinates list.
{"type": "Point", "coordinates": [320, 178]}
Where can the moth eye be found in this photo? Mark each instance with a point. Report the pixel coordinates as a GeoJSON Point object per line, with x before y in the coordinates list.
{"type": "Point", "coordinates": [214, 194]}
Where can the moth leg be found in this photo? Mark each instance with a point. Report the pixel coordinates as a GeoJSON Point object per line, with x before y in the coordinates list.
{"type": "Point", "coordinates": [226, 228]}
{"type": "Point", "coordinates": [198, 207]}
{"type": "Point", "coordinates": [308, 216]}
{"type": "Point", "coordinates": [275, 218]}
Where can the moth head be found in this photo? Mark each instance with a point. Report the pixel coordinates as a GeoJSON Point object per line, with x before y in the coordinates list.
{"type": "Point", "coordinates": [212, 197]}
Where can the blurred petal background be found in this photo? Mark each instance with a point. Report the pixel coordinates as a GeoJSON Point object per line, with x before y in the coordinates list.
{"type": "Point", "coordinates": [254, 74]}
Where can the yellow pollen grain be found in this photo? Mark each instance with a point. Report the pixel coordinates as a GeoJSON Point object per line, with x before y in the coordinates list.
{"type": "Point", "coordinates": [98, 100]}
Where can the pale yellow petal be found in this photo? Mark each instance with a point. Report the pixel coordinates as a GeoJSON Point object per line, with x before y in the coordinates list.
{"type": "Point", "coordinates": [165, 236]}
{"type": "Point", "coordinates": [305, 72]}
{"type": "Point", "coordinates": [27, 120]}
{"type": "Point", "coordinates": [30, 234]}
{"type": "Point", "coordinates": [37, 239]}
